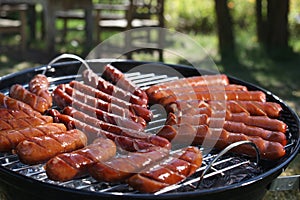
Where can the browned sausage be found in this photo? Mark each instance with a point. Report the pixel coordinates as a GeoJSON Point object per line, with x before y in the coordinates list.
{"type": "Point", "coordinates": [191, 81]}
{"type": "Point", "coordinates": [151, 138]}
{"type": "Point", "coordinates": [6, 113]}
{"type": "Point", "coordinates": [11, 138]}
{"type": "Point", "coordinates": [40, 149]}
{"type": "Point", "coordinates": [11, 103]}
{"type": "Point", "coordinates": [67, 166]}
{"type": "Point", "coordinates": [216, 96]}
{"type": "Point", "coordinates": [96, 81]}
{"type": "Point", "coordinates": [76, 95]}
{"type": "Point", "coordinates": [168, 173]}
{"type": "Point", "coordinates": [156, 96]}
{"type": "Point", "coordinates": [258, 121]}
{"type": "Point", "coordinates": [19, 123]}
{"type": "Point", "coordinates": [39, 85]}
{"type": "Point", "coordinates": [36, 102]}
{"type": "Point", "coordinates": [194, 120]}
{"type": "Point", "coordinates": [88, 90]}
{"type": "Point", "coordinates": [270, 109]}
{"type": "Point", "coordinates": [269, 150]}
{"type": "Point", "coordinates": [115, 76]}
{"type": "Point", "coordinates": [120, 168]}
{"type": "Point", "coordinates": [63, 99]}
{"type": "Point", "coordinates": [238, 127]}
{"type": "Point", "coordinates": [123, 142]}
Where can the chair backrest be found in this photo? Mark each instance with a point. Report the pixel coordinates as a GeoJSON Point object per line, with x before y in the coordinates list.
{"type": "Point", "coordinates": [148, 9]}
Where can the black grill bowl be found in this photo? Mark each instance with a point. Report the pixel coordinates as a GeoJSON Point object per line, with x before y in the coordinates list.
{"type": "Point", "coordinates": [17, 186]}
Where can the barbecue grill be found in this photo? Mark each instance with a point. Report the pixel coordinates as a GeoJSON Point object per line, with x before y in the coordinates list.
{"type": "Point", "coordinates": [226, 175]}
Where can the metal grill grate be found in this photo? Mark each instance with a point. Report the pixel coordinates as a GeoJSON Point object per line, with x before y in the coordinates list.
{"type": "Point", "coordinates": [226, 165]}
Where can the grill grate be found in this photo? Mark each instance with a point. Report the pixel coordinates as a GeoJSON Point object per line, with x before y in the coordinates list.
{"type": "Point", "coordinates": [227, 165]}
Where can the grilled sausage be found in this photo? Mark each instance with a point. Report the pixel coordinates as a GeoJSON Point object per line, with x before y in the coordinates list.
{"type": "Point", "coordinates": [120, 168]}
{"type": "Point", "coordinates": [67, 166]}
{"type": "Point", "coordinates": [6, 113]}
{"type": "Point", "coordinates": [194, 120]}
{"type": "Point", "coordinates": [39, 85]}
{"type": "Point", "coordinates": [40, 149]}
{"type": "Point", "coordinates": [96, 81]}
{"type": "Point", "coordinates": [19, 123]}
{"type": "Point", "coordinates": [136, 109]}
{"type": "Point", "coordinates": [268, 150]}
{"type": "Point", "coordinates": [123, 142]}
{"type": "Point", "coordinates": [154, 139]}
{"type": "Point", "coordinates": [77, 96]}
{"type": "Point", "coordinates": [156, 96]}
{"type": "Point", "coordinates": [171, 172]}
{"type": "Point", "coordinates": [13, 104]}
{"type": "Point", "coordinates": [216, 96]}
{"type": "Point", "coordinates": [11, 138]}
{"type": "Point", "coordinates": [115, 76]}
{"type": "Point", "coordinates": [36, 102]}
{"type": "Point", "coordinates": [191, 81]}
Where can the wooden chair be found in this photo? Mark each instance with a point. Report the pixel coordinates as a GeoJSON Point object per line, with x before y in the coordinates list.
{"type": "Point", "coordinates": [135, 14]}
{"type": "Point", "coordinates": [10, 25]}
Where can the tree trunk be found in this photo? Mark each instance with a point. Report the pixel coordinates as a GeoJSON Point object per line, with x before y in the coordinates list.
{"type": "Point", "coordinates": [225, 32]}
{"type": "Point", "coordinates": [260, 22]}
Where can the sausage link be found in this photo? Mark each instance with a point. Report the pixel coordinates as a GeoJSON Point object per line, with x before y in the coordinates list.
{"type": "Point", "coordinates": [269, 150]}
{"type": "Point", "coordinates": [120, 168]}
{"type": "Point", "coordinates": [194, 120]}
{"type": "Point", "coordinates": [19, 123]}
{"type": "Point", "coordinates": [270, 109]}
{"type": "Point", "coordinates": [7, 113]}
{"type": "Point", "coordinates": [11, 103]}
{"type": "Point", "coordinates": [36, 102]}
{"type": "Point", "coordinates": [11, 138]}
{"type": "Point", "coordinates": [136, 109]}
{"type": "Point", "coordinates": [216, 96]}
{"type": "Point", "coordinates": [67, 166]}
{"type": "Point", "coordinates": [40, 149]}
{"type": "Point", "coordinates": [168, 173]}
{"type": "Point", "coordinates": [156, 96]}
{"type": "Point", "coordinates": [96, 81]}
{"type": "Point", "coordinates": [154, 139]}
{"type": "Point", "coordinates": [123, 142]}
{"type": "Point", "coordinates": [39, 85]}
{"type": "Point", "coordinates": [191, 81]}
{"type": "Point", "coordinates": [100, 104]}
{"type": "Point", "coordinates": [115, 76]}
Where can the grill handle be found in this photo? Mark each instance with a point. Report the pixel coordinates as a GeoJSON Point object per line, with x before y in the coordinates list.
{"type": "Point", "coordinates": [224, 151]}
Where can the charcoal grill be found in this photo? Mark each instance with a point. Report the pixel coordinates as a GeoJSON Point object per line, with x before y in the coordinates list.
{"type": "Point", "coordinates": [248, 179]}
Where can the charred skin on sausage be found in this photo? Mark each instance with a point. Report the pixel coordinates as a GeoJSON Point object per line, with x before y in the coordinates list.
{"type": "Point", "coordinates": [39, 85]}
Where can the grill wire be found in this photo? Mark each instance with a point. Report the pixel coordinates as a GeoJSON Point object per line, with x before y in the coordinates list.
{"type": "Point", "coordinates": [227, 165]}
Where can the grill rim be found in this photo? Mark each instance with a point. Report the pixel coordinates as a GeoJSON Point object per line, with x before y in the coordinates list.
{"type": "Point", "coordinates": [262, 180]}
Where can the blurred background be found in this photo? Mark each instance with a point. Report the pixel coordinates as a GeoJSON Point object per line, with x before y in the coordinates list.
{"type": "Point", "coordinates": [255, 40]}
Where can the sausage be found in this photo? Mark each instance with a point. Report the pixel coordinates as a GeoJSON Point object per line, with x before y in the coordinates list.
{"type": "Point", "coordinates": [19, 123]}
{"type": "Point", "coordinates": [36, 102]}
{"type": "Point", "coordinates": [220, 79]}
{"type": "Point", "coordinates": [67, 166]}
{"type": "Point", "coordinates": [157, 95]}
{"type": "Point", "coordinates": [258, 121]}
{"type": "Point", "coordinates": [168, 173]}
{"type": "Point", "coordinates": [136, 109]}
{"type": "Point", "coordinates": [120, 168]}
{"type": "Point", "coordinates": [215, 96]}
{"type": "Point", "coordinates": [39, 85]}
{"type": "Point", "coordinates": [92, 79]}
{"type": "Point", "coordinates": [115, 76]}
{"type": "Point", "coordinates": [151, 138]}
{"type": "Point", "coordinates": [6, 113]}
{"type": "Point", "coordinates": [40, 149]}
{"type": "Point", "coordinates": [123, 142]}
{"type": "Point", "coordinates": [9, 139]}
{"type": "Point", "coordinates": [269, 150]}
{"type": "Point", "coordinates": [99, 104]}
{"type": "Point", "coordinates": [238, 127]}
{"type": "Point", "coordinates": [270, 109]}
{"type": "Point", "coordinates": [13, 104]}
{"type": "Point", "coordinates": [63, 99]}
